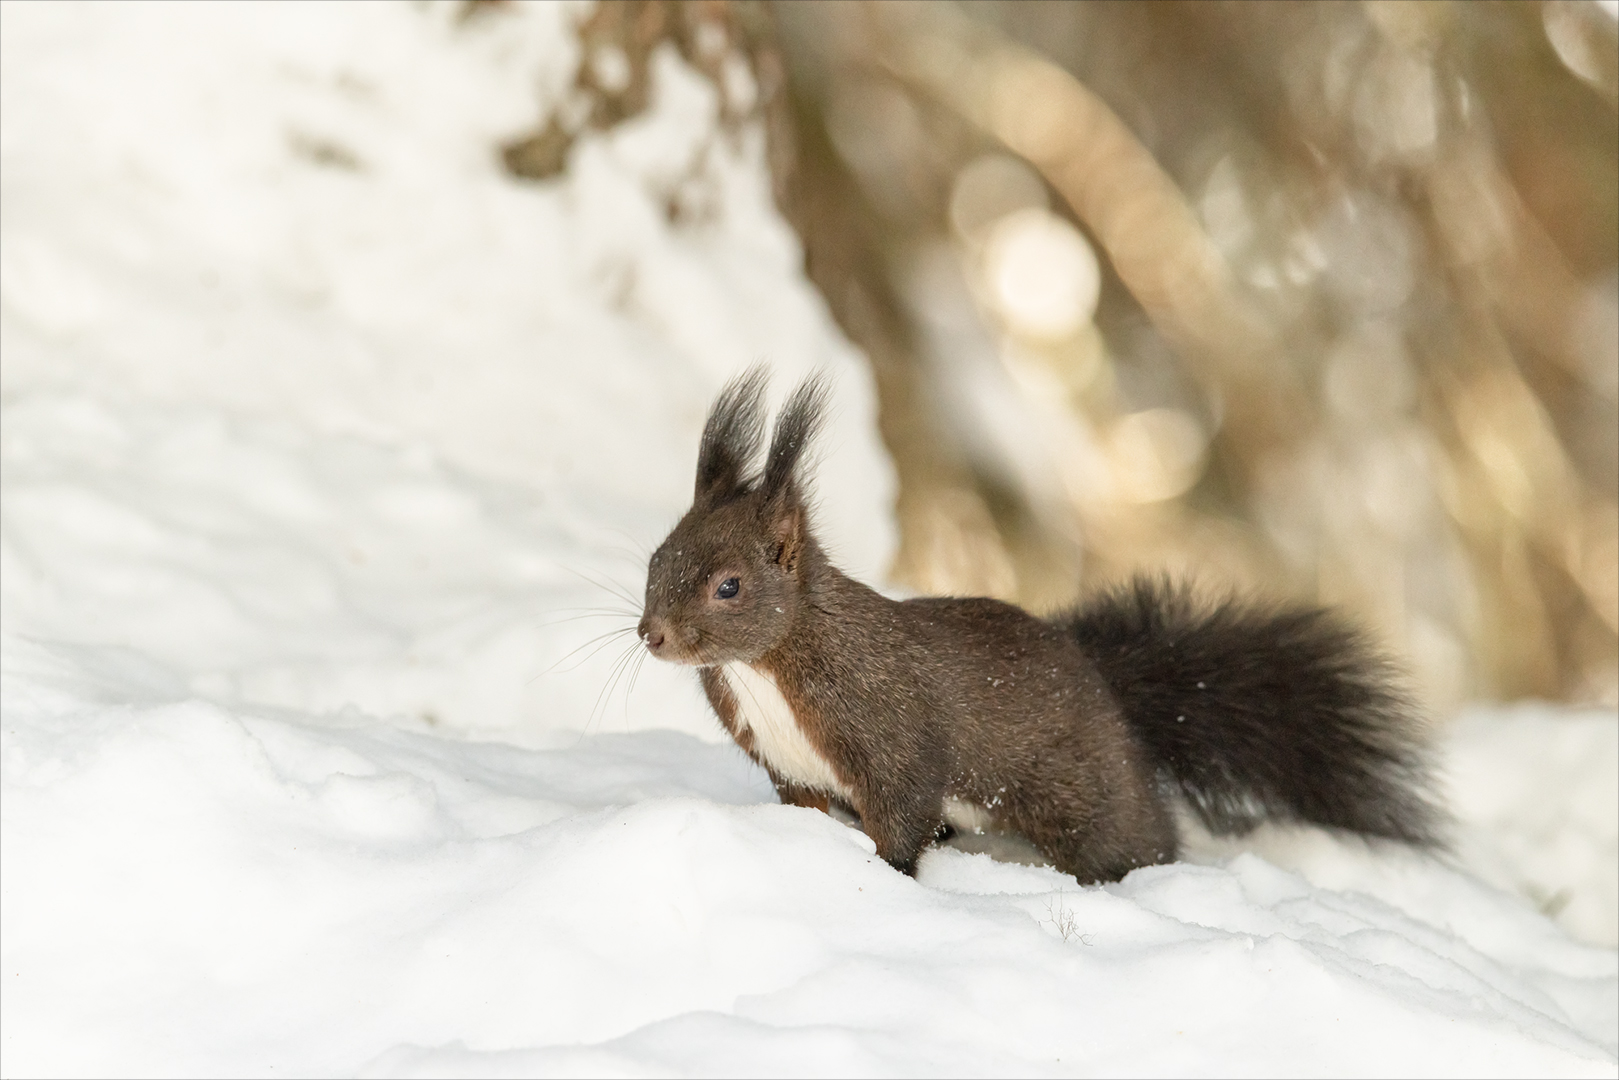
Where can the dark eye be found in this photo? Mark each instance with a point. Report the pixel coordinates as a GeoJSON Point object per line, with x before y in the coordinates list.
{"type": "Point", "coordinates": [728, 588]}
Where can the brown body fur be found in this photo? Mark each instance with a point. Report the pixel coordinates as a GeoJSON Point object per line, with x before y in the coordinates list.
{"type": "Point", "coordinates": [974, 699]}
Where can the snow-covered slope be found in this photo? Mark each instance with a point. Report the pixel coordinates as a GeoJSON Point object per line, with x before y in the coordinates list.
{"type": "Point", "coordinates": [324, 443]}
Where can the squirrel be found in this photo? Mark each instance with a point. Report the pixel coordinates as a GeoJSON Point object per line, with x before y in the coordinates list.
{"type": "Point", "coordinates": [1076, 732]}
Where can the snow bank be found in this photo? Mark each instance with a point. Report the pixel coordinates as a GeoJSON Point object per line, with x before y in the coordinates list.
{"type": "Point", "coordinates": [317, 429]}
{"type": "Point", "coordinates": [198, 890]}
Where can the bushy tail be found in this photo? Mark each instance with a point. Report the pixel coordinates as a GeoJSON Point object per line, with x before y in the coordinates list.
{"type": "Point", "coordinates": [1263, 712]}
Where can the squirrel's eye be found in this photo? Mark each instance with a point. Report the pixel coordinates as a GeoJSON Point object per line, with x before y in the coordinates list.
{"type": "Point", "coordinates": [728, 588]}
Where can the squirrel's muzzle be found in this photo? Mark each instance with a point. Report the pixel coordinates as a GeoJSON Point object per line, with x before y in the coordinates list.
{"type": "Point", "coordinates": [666, 642]}
{"type": "Point", "coordinates": [652, 631]}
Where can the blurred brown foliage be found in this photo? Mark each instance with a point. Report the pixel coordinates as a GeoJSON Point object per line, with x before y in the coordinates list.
{"type": "Point", "coordinates": [1309, 299]}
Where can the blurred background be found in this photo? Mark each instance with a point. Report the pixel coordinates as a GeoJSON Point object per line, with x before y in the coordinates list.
{"type": "Point", "coordinates": [1307, 299]}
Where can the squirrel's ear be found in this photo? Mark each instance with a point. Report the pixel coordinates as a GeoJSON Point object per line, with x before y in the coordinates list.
{"type": "Point", "coordinates": [787, 527]}
{"type": "Point", "coordinates": [783, 489]}
{"type": "Point", "coordinates": [800, 419]}
{"type": "Point", "coordinates": [731, 437]}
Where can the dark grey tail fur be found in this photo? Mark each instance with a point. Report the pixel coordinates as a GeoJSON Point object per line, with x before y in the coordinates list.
{"type": "Point", "coordinates": [1263, 712]}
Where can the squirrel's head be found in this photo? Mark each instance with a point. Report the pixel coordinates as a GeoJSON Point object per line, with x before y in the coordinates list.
{"type": "Point", "coordinates": [727, 582]}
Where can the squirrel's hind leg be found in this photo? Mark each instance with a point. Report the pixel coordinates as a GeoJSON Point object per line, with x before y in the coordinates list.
{"type": "Point", "coordinates": [1093, 844]}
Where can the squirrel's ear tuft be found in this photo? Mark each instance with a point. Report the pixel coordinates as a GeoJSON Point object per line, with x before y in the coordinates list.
{"type": "Point", "coordinates": [731, 438]}
{"type": "Point", "coordinates": [800, 419]}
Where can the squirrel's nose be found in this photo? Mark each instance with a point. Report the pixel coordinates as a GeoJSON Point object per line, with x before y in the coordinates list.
{"type": "Point", "coordinates": [651, 631]}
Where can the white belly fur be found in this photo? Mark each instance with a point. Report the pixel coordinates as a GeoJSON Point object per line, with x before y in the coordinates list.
{"type": "Point", "coordinates": [967, 817]}
{"type": "Point", "coordinates": [777, 737]}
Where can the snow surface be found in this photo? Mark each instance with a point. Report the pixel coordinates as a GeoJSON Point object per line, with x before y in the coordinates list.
{"type": "Point", "coordinates": [324, 444]}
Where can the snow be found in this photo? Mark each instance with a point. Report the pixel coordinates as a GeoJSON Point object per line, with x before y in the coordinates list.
{"type": "Point", "coordinates": [318, 434]}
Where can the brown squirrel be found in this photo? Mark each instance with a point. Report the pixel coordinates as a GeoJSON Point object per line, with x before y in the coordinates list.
{"type": "Point", "coordinates": [1075, 732]}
